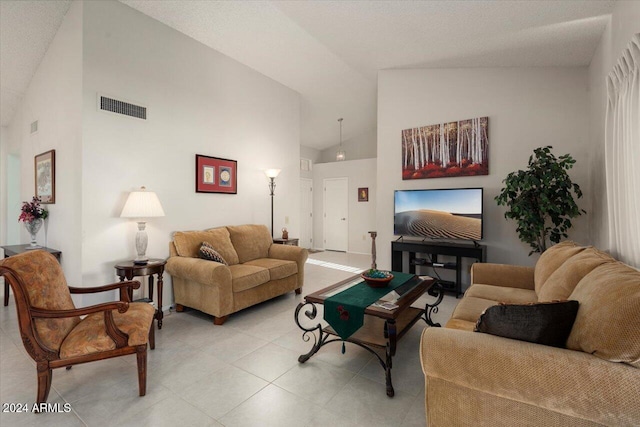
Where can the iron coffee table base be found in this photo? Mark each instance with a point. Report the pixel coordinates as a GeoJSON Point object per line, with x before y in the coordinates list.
{"type": "Point", "coordinates": [377, 333]}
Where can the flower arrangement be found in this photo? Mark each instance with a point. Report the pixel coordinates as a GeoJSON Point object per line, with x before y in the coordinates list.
{"type": "Point", "coordinates": [32, 211]}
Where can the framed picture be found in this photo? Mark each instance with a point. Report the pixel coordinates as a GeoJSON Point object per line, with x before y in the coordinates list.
{"type": "Point", "coordinates": [216, 175]}
{"type": "Point", "coordinates": [45, 176]}
{"type": "Point", "coordinates": [446, 149]}
{"type": "Point", "coordinates": [363, 194]}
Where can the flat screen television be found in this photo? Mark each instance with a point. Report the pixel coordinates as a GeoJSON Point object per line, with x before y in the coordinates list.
{"type": "Point", "coordinates": [439, 214]}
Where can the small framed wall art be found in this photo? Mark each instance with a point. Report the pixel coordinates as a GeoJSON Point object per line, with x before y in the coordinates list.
{"type": "Point", "coordinates": [363, 194]}
{"type": "Point", "coordinates": [45, 176]}
{"type": "Point", "coordinates": [216, 175]}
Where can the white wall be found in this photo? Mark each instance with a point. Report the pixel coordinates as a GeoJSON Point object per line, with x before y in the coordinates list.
{"type": "Point", "coordinates": [359, 147]}
{"type": "Point", "coordinates": [4, 141]}
{"type": "Point", "coordinates": [199, 102]}
{"type": "Point", "coordinates": [625, 21]}
{"type": "Point", "coordinates": [14, 200]}
{"type": "Point", "coordinates": [362, 215]}
{"type": "Point", "coordinates": [54, 99]}
{"type": "Point", "coordinates": [527, 108]}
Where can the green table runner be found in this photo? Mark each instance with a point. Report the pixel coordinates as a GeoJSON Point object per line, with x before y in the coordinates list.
{"type": "Point", "coordinates": [344, 311]}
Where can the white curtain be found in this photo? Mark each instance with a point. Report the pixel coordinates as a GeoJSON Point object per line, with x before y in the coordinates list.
{"type": "Point", "coordinates": [622, 144]}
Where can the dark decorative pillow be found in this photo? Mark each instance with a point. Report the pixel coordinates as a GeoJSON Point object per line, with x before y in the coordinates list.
{"type": "Point", "coordinates": [207, 252]}
{"type": "Point", "coordinates": [547, 323]}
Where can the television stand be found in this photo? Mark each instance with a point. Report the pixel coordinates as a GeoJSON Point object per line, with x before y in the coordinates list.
{"type": "Point", "coordinates": [459, 250]}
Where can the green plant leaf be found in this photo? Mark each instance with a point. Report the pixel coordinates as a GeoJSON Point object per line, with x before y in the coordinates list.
{"type": "Point", "coordinates": [540, 199]}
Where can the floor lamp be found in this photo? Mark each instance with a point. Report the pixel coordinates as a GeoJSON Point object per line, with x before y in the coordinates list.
{"type": "Point", "coordinates": [272, 174]}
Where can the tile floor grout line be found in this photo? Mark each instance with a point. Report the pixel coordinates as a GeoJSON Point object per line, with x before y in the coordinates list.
{"type": "Point", "coordinates": [250, 396]}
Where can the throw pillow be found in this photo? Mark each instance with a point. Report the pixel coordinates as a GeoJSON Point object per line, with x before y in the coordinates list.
{"type": "Point", "coordinates": [208, 252]}
{"type": "Point", "coordinates": [547, 323]}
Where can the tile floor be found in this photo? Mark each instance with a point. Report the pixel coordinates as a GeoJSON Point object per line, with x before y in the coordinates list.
{"type": "Point", "coordinates": [243, 373]}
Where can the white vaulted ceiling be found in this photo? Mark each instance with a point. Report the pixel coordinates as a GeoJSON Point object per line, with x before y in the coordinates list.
{"type": "Point", "coordinates": [330, 51]}
{"type": "Point", "coordinates": [26, 30]}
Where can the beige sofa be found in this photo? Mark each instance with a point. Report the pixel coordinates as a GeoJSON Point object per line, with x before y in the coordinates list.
{"type": "Point", "coordinates": [258, 269]}
{"type": "Point", "coordinates": [475, 379]}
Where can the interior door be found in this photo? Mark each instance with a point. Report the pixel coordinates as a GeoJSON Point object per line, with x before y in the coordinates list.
{"type": "Point", "coordinates": [336, 214]}
{"type": "Point", "coordinates": [306, 213]}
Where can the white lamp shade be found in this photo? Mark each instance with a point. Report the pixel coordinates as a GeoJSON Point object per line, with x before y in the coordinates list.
{"type": "Point", "coordinates": [142, 204]}
{"type": "Point", "coordinates": [272, 173]}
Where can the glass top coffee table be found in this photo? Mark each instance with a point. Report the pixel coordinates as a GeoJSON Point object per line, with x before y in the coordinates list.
{"type": "Point", "coordinates": [385, 321]}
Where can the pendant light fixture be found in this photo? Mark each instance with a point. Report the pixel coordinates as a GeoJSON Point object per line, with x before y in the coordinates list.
{"type": "Point", "coordinates": [341, 155]}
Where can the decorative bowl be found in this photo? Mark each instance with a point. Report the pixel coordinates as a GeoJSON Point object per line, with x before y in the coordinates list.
{"type": "Point", "coordinates": [377, 282]}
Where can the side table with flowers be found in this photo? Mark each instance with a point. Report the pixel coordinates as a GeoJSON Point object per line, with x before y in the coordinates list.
{"type": "Point", "coordinates": [33, 216]}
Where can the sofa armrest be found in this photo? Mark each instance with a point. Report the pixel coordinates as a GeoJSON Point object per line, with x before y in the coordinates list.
{"type": "Point", "coordinates": [200, 270]}
{"type": "Point", "coordinates": [511, 276]}
{"type": "Point", "coordinates": [560, 380]}
{"type": "Point", "coordinates": [291, 253]}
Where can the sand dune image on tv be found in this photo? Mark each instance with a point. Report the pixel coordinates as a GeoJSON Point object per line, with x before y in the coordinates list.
{"type": "Point", "coordinates": [438, 225]}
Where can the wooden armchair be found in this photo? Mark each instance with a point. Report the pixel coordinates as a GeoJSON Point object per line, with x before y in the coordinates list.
{"type": "Point", "coordinates": [52, 331]}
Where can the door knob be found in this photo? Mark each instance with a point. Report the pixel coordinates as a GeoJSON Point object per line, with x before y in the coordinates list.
{"type": "Point", "coordinates": [344, 219]}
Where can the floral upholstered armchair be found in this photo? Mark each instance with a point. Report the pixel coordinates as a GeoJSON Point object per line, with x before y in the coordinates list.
{"type": "Point", "coordinates": [52, 331]}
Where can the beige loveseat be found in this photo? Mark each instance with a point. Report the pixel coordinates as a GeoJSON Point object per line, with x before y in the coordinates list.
{"type": "Point", "coordinates": [476, 379]}
{"type": "Point", "coordinates": [258, 270]}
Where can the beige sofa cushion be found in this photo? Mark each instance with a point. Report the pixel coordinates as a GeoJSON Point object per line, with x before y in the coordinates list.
{"type": "Point", "coordinates": [188, 243]}
{"type": "Point", "coordinates": [563, 281]}
{"type": "Point", "coordinates": [278, 268]}
{"type": "Point", "coordinates": [463, 325]}
{"type": "Point", "coordinates": [608, 321]}
{"type": "Point", "coordinates": [250, 241]}
{"type": "Point", "coordinates": [502, 294]}
{"type": "Point", "coordinates": [508, 276]}
{"type": "Point", "coordinates": [245, 276]}
{"type": "Point", "coordinates": [470, 308]}
{"type": "Point", "coordinates": [551, 260]}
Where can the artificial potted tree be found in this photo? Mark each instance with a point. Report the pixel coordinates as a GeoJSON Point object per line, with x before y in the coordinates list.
{"type": "Point", "coordinates": [541, 199]}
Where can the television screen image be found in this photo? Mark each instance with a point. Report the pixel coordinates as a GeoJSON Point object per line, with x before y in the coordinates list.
{"type": "Point", "coordinates": [439, 214]}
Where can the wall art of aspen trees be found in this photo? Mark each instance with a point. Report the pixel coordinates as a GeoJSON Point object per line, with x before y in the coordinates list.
{"type": "Point", "coordinates": [446, 150]}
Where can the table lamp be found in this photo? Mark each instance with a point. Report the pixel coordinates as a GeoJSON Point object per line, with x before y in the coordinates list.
{"type": "Point", "coordinates": [142, 204]}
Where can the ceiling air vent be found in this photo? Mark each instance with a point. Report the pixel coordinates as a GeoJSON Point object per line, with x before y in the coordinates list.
{"type": "Point", "coordinates": [121, 107]}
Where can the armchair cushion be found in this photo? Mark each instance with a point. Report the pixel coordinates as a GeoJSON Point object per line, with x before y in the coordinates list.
{"type": "Point", "coordinates": [48, 290]}
{"type": "Point", "coordinates": [278, 268]}
{"type": "Point", "coordinates": [90, 335]}
{"type": "Point", "coordinates": [546, 323]}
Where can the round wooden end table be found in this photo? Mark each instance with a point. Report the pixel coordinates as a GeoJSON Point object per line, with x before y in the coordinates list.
{"type": "Point", "coordinates": [128, 270]}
